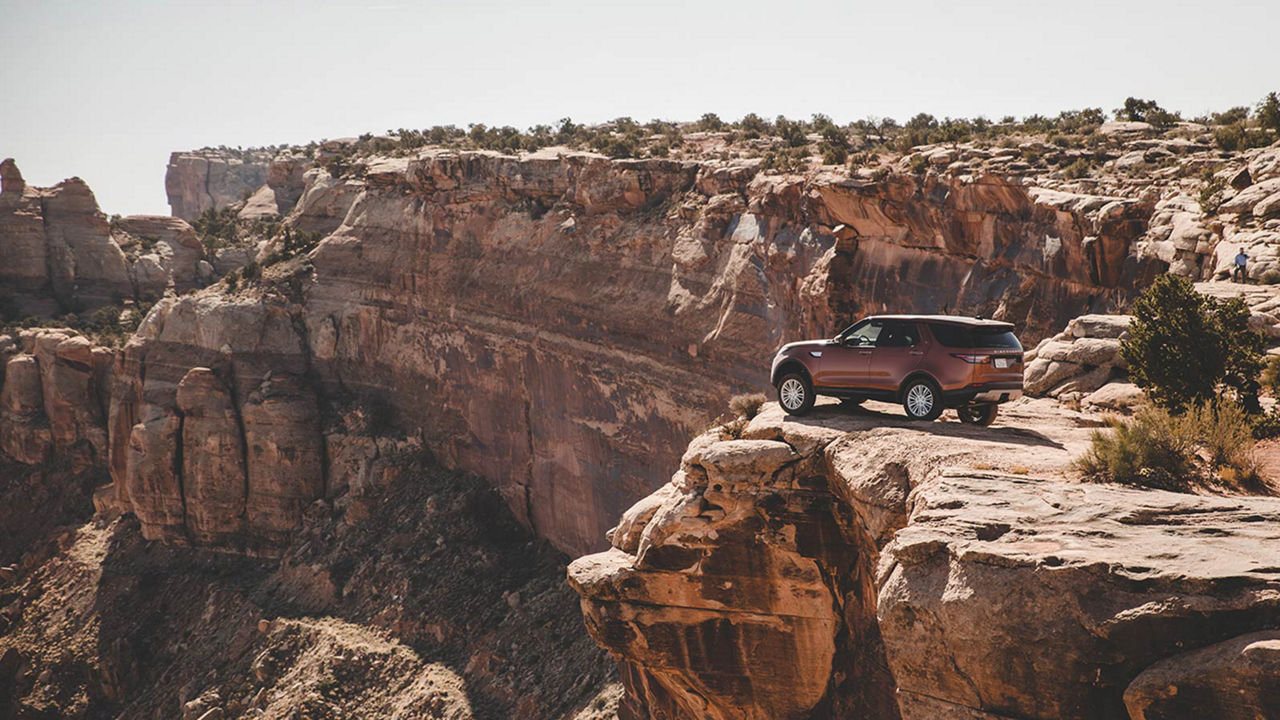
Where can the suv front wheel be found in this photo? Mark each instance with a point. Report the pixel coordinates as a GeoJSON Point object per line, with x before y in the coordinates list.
{"type": "Point", "coordinates": [921, 400]}
{"type": "Point", "coordinates": [795, 393]}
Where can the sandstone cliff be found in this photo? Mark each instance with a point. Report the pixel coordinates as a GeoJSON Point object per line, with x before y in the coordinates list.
{"type": "Point", "coordinates": [851, 566]}
{"type": "Point", "coordinates": [560, 322]}
{"type": "Point", "coordinates": [259, 182]}
{"type": "Point", "coordinates": [63, 255]}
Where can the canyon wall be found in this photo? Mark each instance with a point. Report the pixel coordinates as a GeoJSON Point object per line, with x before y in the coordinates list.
{"type": "Point", "coordinates": [853, 566]}
{"type": "Point", "coordinates": [559, 323]}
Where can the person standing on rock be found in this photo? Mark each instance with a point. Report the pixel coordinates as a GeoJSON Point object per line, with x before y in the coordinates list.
{"type": "Point", "coordinates": [1240, 273]}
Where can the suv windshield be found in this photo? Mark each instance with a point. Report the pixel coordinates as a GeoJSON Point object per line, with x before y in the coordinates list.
{"type": "Point", "coordinates": [959, 336]}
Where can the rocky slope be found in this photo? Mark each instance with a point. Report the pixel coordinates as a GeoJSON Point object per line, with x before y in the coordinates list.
{"type": "Point", "coordinates": [847, 566]}
{"type": "Point", "coordinates": [419, 597]}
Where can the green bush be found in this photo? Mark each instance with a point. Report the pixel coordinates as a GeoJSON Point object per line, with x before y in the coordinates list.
{"type": "Point", "coordinates": [1211, 194]}
{"type": "Point", "coordinates": [1185, 348]}
{"type": "Point", "coordinates": [1271, 375]}
{"type": "Point", "coordinates": [1207, 444]}
{"type": "Point", "coordinates": [1268, 113]}
{"type": "Point", "coordinates": [710, 122]}
{"type": "Point", "coordinates": [1078, 169]}
{"type": "Point", "coordinates": [1239, 136]}
{"type": "Point", "coordinates": [1138, 110]}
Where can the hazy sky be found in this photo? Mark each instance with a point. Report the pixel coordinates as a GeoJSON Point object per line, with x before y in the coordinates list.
{"type": "Point", "coordinates": [106, 89]}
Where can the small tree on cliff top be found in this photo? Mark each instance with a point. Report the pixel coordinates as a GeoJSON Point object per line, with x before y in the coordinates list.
{"type": "Point", "coordinates": [1184, 348]}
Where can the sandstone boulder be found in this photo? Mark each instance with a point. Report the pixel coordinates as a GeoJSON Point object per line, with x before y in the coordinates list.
{"type": "Point", "coordinates": [1238, 679]}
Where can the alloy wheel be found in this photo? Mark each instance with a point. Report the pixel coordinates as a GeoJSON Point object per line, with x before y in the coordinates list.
{"type": "Point", "coordinates": [791, 393]}
{"type": "Point", "coordinates": [920, 400]}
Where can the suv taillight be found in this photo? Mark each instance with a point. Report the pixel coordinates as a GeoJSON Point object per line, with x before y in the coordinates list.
{"type": "Point", "coordinates": [972, 359]}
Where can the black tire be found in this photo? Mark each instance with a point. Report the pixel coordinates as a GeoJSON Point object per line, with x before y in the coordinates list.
{"type": "Point", "coordinates": [982, 415]}
{"type": "Point", "coordinates": [795, 393]}
{"type": "Point", "coordinates": [921, 399]}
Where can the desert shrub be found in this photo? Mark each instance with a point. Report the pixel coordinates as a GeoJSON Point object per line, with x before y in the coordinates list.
{"type": "Point", "coordinates": [747, 405]}
{"type": "Point", "coordinates": [753, 125]}
{"type": "Point", "coordinates": [791, 132]}
{"type": "Point", "coordinates": [710, 122]}
{"type": "Point", "coordinates": [1266, 425]}
{"type": "Point", "coordinates": [1271, 375]}
{"type": "Point", "coordinates": [1158, 449]}
{"type": "Point", "coordinates": [1149, 111]}
{"type": "Point", "coordinates": [1211, 194]}
{"type": "Point", "coordinates": [1185, 348]}
{"type": "Point", "coordinates": [919, 164]}
{"type": "Point", "coordinates": [1268, 112]}
{"type": "Point", "coordinates": [1151, 449]}
{"type": "Point", "coordinates": [252, 271]}
{"type": "Point", "coordinates": [1239, 136]}
{"type": "Point", "coordinates": [784, 159]}
{"type": "Point", "coordinates": [1222, 433]}
{"type": "Point", "coordinates": [1078, 169]}
{"type": "Point", "coordinates": [835, 146]}
{"type": "Point", "coordinates": [216, 228]}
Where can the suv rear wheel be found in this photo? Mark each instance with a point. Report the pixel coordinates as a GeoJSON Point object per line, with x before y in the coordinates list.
{"type": "Point", "coordinates": [795, 393]}
{"type": "Point", "coordinates": [921, 400]}
{"type": "Point", "coordinates": [982, 415]}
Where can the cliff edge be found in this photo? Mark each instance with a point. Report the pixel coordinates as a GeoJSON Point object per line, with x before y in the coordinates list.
{"type": "Point", "coordinates": [853, 565]}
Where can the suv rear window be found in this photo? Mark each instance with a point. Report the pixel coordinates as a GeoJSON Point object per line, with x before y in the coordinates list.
{"type": "Point", "coordinates": [959, 336]}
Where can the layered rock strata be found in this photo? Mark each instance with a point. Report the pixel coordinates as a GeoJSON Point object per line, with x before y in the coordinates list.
{"type": "Point", "coordinates": [840, 568]}
{"type": "Point", "coordinates": [561, 322]}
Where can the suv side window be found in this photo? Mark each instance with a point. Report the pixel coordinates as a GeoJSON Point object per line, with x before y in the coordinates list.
{"type": "Point", "coordinates": [863, 334]}
{"type": "Point", "coordinates": [898, 334]}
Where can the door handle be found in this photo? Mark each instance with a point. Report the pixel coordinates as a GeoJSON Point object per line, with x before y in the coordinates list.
{"type": "Point", "coordinates": [915, 352]}
{"type": "Point", "coordinates": [864, 352]}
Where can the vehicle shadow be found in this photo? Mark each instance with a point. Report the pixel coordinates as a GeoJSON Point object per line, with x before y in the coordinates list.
{"type": "Point", "coordinates": [835, 414]}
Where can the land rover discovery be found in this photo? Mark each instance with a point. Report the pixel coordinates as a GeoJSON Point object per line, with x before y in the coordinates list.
{"type": "Point", "coordinates": [926, 362]}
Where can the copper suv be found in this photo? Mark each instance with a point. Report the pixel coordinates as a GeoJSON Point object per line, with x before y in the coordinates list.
{"type": "Point", "coordinates": [926, 362]}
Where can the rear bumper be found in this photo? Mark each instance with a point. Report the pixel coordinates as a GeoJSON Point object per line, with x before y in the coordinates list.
{"type": "Point", "coordinates": [995, 392]}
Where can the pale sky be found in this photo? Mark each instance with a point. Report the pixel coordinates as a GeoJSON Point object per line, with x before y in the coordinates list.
{"type": "Point", "coordinates": [106, 89]}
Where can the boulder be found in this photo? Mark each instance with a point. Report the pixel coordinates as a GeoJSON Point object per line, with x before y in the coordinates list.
{"type": "Point", "coordinates": [1237, 679]}
{"type": "Point", "coordinates": [1034, 599]}
{"type": "Point", "coordinates": [1246, 200]}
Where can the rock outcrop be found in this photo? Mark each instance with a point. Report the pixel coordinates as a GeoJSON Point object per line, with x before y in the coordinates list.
{"type": "Point", "coordinates": [53, 399]}
{"type": "Point", "coordinates": [62, 254]}
{"type": "Point", "coordinates": [560, 322]}
{"type": "Point", "coordinates": [844, 566]}
{"type": "Point", "coordinates": [260, 183]}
